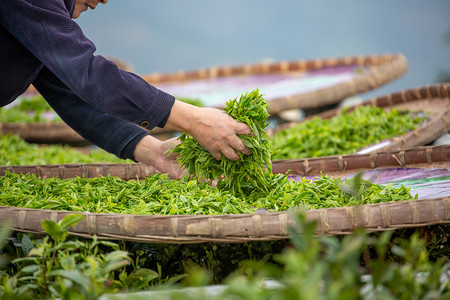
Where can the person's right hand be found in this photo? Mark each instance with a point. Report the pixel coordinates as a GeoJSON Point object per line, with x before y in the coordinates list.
{"type": "Point", "coordinates": [212, 128]}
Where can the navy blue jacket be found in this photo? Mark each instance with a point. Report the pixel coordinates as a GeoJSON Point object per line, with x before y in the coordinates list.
{"type": "Point", "coordinates": [41, 44]}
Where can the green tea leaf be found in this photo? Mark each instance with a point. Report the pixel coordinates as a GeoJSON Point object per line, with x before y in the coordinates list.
{"type": "Point", "coordinates": [70, 220]}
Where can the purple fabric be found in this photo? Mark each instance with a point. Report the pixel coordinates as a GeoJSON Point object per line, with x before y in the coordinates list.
{"type": "Point", "coordinates": [216, 91]}
{"type": "Point", "coordinates": [41, 44]}
{"type": "Point", "coordinates": [46, 30]}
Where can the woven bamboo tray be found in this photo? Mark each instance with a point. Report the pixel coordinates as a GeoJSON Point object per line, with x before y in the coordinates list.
{"type": "Point", "coordinates": [381, 69]}
{"type": "Point", "coordinates": [433, 99]}
{"type": "Point", "coordinates": [423, 157]}
{"type": "Point", "coordinates": [248, 227]}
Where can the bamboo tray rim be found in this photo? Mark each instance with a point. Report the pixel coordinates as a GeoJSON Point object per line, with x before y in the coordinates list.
{"type": "Point", "coordinates": [244, 227]}
{"type": "Point", "coordinates": [422, 156]}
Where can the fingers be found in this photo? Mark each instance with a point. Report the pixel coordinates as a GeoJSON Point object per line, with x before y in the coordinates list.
{"type": "Point", "coordinates": [242, 128]}
{"type": "Point", "coordinates": [230, 153]}
{"type": "Point", "coordinates": [170, 167]}
{"type": "Point", "coordinates": [238, 144]}
{"type": "Point", "coordinates": [228, 146]}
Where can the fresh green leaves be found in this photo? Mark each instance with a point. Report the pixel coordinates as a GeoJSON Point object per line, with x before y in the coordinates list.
{"type": "Point", "coordinates": [250, 171]}
{"type": "Point", "coordinates": [15, 151]}
{"type": "Point", "coordinates": [58, 231]}
{"type": "Point", "coordinates": [345, 133]}
{"type": "Point", "coordinates": [29, 110]}
{"type": "Point", "coordinates": [158, 194]}
{"type": "Point", "coordinates": [70, 269]}
{"type": "Point", "coordinates": [350, 267]}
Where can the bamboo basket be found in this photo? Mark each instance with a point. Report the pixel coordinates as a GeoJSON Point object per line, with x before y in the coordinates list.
{"type": "Point", "coordinates": [433, 99]}
{"type": "Point", "coordinates": [381, 69]}
{"type": "Point", "coordinates": [248, 227]}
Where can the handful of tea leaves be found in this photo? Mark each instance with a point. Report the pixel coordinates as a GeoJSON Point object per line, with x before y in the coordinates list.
{"type": "Point", "coordinates": [250, 172]}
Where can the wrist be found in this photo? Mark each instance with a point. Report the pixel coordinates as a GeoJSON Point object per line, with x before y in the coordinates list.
{"type": "Point", "coordinates": [147, 150]}
{"type": "Point", "coordinates": [183, 117]}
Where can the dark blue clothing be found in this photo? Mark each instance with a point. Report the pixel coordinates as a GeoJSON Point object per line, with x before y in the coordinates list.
{"type": "Point", "coordinates": [41, 44]}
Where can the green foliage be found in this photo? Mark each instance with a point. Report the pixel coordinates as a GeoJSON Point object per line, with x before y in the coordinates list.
{"type": "Point", "coordinates": [157, 194]}
{"type": "Point", "coordinates": [216, 260]}
{"type": "Point", "coordinates": [248, 173]}
{"type": "Point", "coordinates": [357, 266]}
{"type": "Point", "coordinates": [15, 151]}
{"type": "Point", "coordinates": [331, 268]}
{"type": "Point", "coordinates": [345, 133]}
{"type": "Point", "coordinates": [70, 269]}
{"type": "Point", "coordinates": [29, 110]}
{"type": "Point", "coordinates": [4, 234]}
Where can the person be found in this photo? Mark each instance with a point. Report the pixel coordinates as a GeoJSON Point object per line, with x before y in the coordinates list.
{"type": "Point", "coordinates": [41, 44]}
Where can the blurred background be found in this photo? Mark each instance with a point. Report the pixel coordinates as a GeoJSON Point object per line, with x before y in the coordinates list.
{"type": "Point", "coordinates": [168, 36]}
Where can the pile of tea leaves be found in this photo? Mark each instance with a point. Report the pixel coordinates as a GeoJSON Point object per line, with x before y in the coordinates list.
{"type": "Point", "coordinates": [244, 186]}
{"type": "Point", "coordinates": [250, 172]}
{"type": "Point", "coordinates": [157, 194]}
{"type": "Point", "coordinates": [15, 151]}
{"type": "Point", "coordinates": [343, 134]}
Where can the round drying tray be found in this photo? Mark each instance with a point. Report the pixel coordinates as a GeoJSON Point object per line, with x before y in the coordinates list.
{"type": "Point", "coordinates": [425, 156]}
{"type": "Point", "coordinates": [250, 227]}
{"type": "Point", "coordinates": [287, 84]}
{"type": "Point", "coordinates": [433, 100]}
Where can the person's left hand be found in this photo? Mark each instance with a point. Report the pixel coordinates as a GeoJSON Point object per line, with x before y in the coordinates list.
{"type": "Point", "coordinates": [152, 151]}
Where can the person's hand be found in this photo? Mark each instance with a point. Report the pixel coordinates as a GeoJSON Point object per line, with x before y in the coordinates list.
{"type": "Point", "coordinates": [217, 132]}
{"type": "Point", "coordinates": [212, 128]}
{"type": "Point", "coordinates": [152, 151]}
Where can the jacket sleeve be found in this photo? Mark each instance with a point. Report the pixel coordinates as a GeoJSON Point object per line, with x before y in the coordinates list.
{"type": "Point", "coordinates": [110, 133]}
{"type": "Point", "coordinates": [46, 29]}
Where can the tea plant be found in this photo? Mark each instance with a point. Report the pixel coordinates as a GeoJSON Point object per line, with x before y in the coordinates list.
{"type": "Point", "coordinates": [70, 269]}
{"type": "Point", "coordinates": [330, 268]}
{"type": "Point", "coordinates": [357, 266]}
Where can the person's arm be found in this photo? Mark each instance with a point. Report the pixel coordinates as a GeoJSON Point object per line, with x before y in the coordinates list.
{"type": "Point", "coordinates": [115, 135]}
{"type": "Point", "coordinates": [46, 29]}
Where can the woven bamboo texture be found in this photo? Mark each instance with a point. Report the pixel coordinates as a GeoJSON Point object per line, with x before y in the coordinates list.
{"type": "Point", "coordinates": [425, 157]}
{"type": "Point", "coordinates": [237, 228]}
{"type": "Point", "coordinates": [382, 69]}
{"type": "Point", "coordinates": [339, 165]}
{"type": "Point", "coordinates": [248, 227]}
{"type": "Point", "coordinates": [433, 99]}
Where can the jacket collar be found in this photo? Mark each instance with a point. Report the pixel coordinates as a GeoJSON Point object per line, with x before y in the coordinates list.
{"type": "Point", "coordinates": [70, 5]}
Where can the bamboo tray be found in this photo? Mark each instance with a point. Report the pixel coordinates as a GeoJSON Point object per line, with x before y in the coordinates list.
{"type": "Point", "coordinates": [423, 157]}
{"type": "Point", "coordinates": [375, 70]}
{"type": "Point", "coordinates": [249, 227]}
{"type": "Point", "coordinates": [432, 99]}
